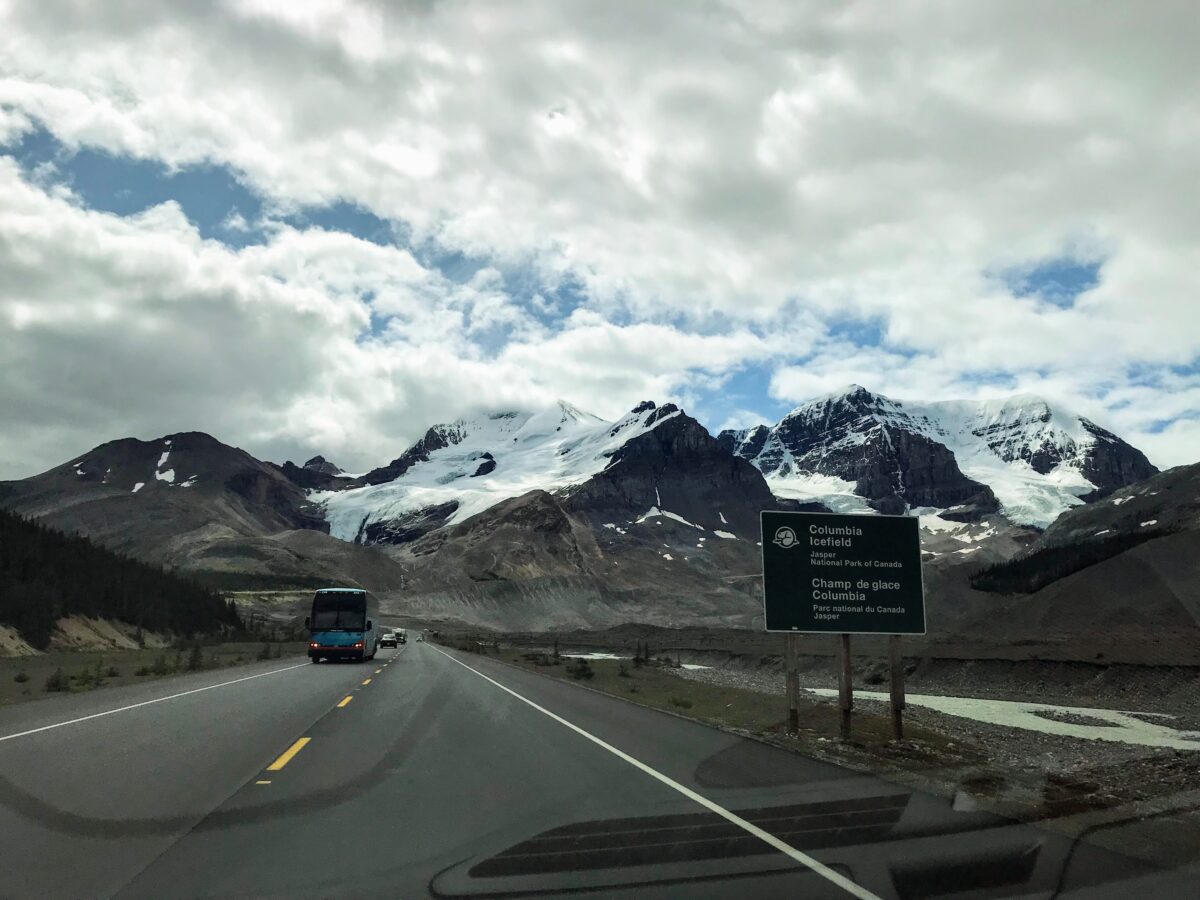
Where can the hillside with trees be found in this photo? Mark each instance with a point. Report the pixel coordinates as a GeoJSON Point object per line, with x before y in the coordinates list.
{"type": "Point", "coordinates": [46, 574]}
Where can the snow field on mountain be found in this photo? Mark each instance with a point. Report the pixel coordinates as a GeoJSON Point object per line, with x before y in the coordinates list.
{"type": "Point", "coordinates": [546, 450]}
{"type": "Point", "coordinates": [836, 493]}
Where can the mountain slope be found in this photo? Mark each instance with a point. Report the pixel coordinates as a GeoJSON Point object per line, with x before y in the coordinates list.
{"type": "Point", "coordinates": [1168, 501]}
{"type": "Point", "coordinates": [534, 562]}
{"type": "Point", "coordinates": [189, 502]}
{"type": "Point", "coordinates": [653, 461]}
{"type": "Point", "coordinates": [116, 488]}
{"type": "Point", "coordinates": [855, 449]}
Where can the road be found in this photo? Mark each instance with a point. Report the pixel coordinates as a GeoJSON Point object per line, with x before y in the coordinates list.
{"type": "Point", "coordinates": [451, 775]}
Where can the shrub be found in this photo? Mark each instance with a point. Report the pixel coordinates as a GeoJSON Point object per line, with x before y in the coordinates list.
{"type": "Point", "coordinates": [622, 671]}
{"type": "Point", "coordinates": [265, 651]}
{"type": "Point", "coordinates": [112, 672]}
{"type": "Point", "coordinates": [581, 670]}
{"type": "Point", "coordinates": [633, 688]}
{"type": "Point", "coordinates": [195, 658]}
{"type": "Point", "coordinates": [278, 651]}
{"type": "Point", "coordinates": [20, 678]}
{"type": "Point", "coordinates": [160, 666]}
{"type": "Point", "coordinates": [57, 681]}
{"type": "Point", "coordinates": [681, 702]}
{"type": "Point", "coordinates": [142, 670]}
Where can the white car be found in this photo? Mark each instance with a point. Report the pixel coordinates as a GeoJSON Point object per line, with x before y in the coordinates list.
{"type": "Point", "coordinates": [388, 639]}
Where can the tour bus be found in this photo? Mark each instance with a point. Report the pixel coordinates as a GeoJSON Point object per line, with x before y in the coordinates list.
{"type": "Point", "coordinates": [340, 627]}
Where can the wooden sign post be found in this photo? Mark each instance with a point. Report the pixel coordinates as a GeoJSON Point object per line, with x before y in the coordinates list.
{"type": "Point", "coordinates": [792, 681]}
{"type": "Point", "coordinates": [896, 673]}
{"type": "Point", "coordinates": [845, 685]}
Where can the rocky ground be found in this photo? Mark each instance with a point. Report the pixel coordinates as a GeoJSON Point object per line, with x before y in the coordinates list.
{"type": "Point", "coordinates": [1015, 748]}
{"type": "Point", "coordinates": [1125, 795]}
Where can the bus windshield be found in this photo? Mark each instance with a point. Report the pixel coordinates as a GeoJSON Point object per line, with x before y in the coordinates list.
{"type": "Point", "coordinates": [339, 612]}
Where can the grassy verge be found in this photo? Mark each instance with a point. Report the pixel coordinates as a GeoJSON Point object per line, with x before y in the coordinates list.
{"type": "Point", "coordinates": [30, 677]}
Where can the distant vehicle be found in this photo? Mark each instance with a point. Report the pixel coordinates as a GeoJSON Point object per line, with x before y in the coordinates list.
{"type": "Point", "coordinates": [339, 627]}
{"type": "Point", "coordinates": [401, 635]}
{"type": "Point", "coordinates": [388, 639]}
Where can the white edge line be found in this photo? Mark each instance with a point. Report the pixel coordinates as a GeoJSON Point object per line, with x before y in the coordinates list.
{"type": "Point", "coordinates": [109, 712]}
{"type": "Point", "coordinates": [820, 868]}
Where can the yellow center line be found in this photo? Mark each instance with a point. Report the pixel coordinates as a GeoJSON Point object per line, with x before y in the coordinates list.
{"type": "Point", "coordinates": [262, 782]}
{"type": "Point", "coordinates": [286, 756]}
{"type": "Point", "coordinates": [368, 681]}
{"type": "Point", "coordinates": [345, 700]}
{"type": "Point", "coordinates": [377, 671]}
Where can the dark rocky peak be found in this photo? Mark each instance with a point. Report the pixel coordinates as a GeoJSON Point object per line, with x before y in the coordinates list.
{"type": "Point", "coordinates": [190, 458]}
{"type": "Point", "coordinates": [678, 467]}
{"type": "Point", "coordinates": [173, 476]}
{"type": "Point", "coordinates": [436, 438]}
{"type": "Point", "coordinates": [745, 442]}
{"type": "Point", "coordinates": [661, 413]}
{"type": "Point", "coordinates": [1112, 464]}
{"type": "Point", "coordinates": [644, 414]}
{"type": "Point", "coordinates": [322, 465]}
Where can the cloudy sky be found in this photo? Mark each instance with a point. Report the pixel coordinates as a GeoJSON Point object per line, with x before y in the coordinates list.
{"type": "Point", "coordinates": [309, 226]}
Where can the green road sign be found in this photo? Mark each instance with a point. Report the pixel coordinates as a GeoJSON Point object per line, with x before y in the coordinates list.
{"type": "Point", "coordinates": [847, 574]}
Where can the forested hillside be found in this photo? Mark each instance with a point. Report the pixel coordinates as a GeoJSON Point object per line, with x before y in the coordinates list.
{"type": "Point", "coordinates": [45, 574]}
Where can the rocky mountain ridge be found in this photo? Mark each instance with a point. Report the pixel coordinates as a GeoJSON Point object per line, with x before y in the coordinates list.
{"type": "Point", "coordinates": [856, 449]}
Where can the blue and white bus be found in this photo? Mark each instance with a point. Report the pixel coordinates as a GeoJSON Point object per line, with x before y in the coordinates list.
{"type": "Point", "coordinates": [340, 626]}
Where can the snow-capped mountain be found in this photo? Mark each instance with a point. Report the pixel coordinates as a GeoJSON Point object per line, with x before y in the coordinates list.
{"type": "Point", "coordinates": [854, 450]}
{"type": "Point", "coordinates": [655, 461]}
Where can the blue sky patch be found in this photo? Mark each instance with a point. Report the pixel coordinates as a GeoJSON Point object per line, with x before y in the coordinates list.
{"type": "Point", "coordinates": [745, 390]}
{"type": "Point", "coordinates": [351, 219]}
{"type": "Point", "coordinates": [124, 186]}
{"type": "Point", "coordinates": [1057, 281]}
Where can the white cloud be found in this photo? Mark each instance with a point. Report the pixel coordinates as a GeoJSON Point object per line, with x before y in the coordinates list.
{"type": "Point", "coordinates": [762, 167]}
{"type": "Point", "coordinates": [114, 326]}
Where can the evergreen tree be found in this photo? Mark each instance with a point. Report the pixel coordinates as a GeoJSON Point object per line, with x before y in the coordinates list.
{"type": "Point", "coordinates": [46, 574]}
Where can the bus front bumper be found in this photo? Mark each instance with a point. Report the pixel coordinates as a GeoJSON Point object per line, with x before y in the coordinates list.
{"type": "Point", "coordinates": [342, 652]}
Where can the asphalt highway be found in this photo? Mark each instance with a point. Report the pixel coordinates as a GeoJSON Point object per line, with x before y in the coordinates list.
{"type": "Point", "coordinates": [434, 773]}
